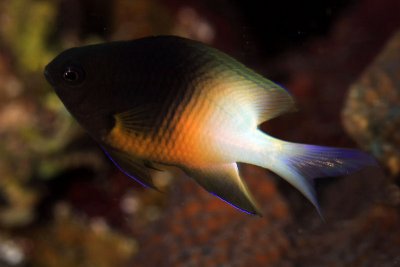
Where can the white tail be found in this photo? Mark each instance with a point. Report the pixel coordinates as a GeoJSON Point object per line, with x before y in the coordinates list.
{"type": "Point", "coordinates": [299, 163]}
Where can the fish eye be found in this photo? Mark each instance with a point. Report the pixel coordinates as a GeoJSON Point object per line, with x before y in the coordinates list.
{"type": "Point", "coordinates": [73, 75]}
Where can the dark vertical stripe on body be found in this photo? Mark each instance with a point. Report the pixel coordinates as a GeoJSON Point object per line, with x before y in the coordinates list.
{"type": "Point", "coordinates": [161, 73]}
{"type": "Point", "coordinates": [180, 87]}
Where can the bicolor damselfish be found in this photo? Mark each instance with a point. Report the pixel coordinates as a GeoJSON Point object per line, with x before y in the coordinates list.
{"type": "Point", "coordinates": [168, 100]}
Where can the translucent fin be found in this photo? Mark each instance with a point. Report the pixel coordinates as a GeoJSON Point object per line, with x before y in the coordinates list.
{"type": "Point", "coordinates": [150, 165]}
{"type": "Point", "coordinates": [276, 102]}
{"type": "Point", "coordinates": [267, 99]}
{"type": "Point", "coordinates": [298, 164]}
{"type": "Point", "coordinates": [303, 184]}
{"type": "Point", "coordinates": [251, 91]}
{"type": "Point", "coordinates": [318, 161]}
{"type": "Point", "coordinates": [133, 168]}
{"type": "Point", "coordinates": [137, 120]}
{"type": "Point", "coordinates": [224, 182]}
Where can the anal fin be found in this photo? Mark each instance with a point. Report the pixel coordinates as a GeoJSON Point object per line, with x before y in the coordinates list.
{"type": "Point", "coordinates": [223, 181]}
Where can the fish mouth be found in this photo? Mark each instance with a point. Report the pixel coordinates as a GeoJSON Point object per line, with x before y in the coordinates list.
{"type": "Point", "coordinates": [48, 77]}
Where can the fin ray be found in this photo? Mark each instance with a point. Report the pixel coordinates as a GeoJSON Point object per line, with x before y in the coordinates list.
{"type": "Point", "coordinates": [133, 168]}
{"type": "Point", "coordinates": [138, 119]}
{"type": "Point", "coordinates": [256, 93]}
{"type": "Point", "coordinates": [223, 181]}
{"type": "Point", "coordinates": [299, 164]}
{"type": "Point", "coordinates": [267, 99]}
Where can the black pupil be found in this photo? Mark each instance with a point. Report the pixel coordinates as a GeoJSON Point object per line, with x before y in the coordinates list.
{"type": "Point", "coordinates": [71, 75]}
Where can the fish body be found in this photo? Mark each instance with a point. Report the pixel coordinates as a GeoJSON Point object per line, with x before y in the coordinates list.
{"type": "Point", "coordinates": [167, 100]}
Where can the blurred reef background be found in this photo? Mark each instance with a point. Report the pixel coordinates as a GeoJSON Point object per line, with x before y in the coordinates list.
{"type": "Point", "coordinates": [63, 203]}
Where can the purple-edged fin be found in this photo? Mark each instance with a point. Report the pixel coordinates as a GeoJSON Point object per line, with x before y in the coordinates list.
{"type": "Point", "coordinates": [133, 168]}
{"type": "Point", "coordinates": [236, 207]}
{"type": "Point", "coordinates": [299, 164]}
{"type": "Point", "coordinates": [223, 181]}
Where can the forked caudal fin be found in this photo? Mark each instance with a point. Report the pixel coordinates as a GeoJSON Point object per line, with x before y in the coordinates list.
{"type": "Point", "coordinates": [299, 163]}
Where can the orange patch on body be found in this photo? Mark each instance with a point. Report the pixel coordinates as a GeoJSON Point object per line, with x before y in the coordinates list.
{"type": "Point", "coordinates": [191, 143]}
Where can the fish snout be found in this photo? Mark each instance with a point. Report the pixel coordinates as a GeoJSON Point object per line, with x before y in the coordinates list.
{"type": "Point", "coordinates": [48, 77]}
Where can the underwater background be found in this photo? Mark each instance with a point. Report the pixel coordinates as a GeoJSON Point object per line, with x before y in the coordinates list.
{"type": "Point", "coordinates": [63, 203]}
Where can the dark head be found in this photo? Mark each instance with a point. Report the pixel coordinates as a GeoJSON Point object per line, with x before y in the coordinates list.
{"type": "Point", "coordinates": [84, 79]}
{"type": "Point", "coordinates": [98, 81]}
{"type": "Point", "coordinates": [76, 74]}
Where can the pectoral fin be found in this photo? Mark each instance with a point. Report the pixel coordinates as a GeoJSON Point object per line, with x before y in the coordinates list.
{"type": "Point", "coordinates": [132, 167]}
{"type": "Point", "coordinates": [224, 182]}
{"type": "Point", "coordinates": [150, 165]}
{"type": "Point", "coordinates": [139, 119]}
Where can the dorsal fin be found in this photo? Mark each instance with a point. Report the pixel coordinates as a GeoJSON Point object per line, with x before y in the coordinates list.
{"type": "Point", "coordinates": [260, 98]}
{"type": "Point", "coordinates": [254, 93]}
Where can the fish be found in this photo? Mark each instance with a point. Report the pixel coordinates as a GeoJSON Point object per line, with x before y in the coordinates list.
{"type": "Point", "coordinates": [171, 101]}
